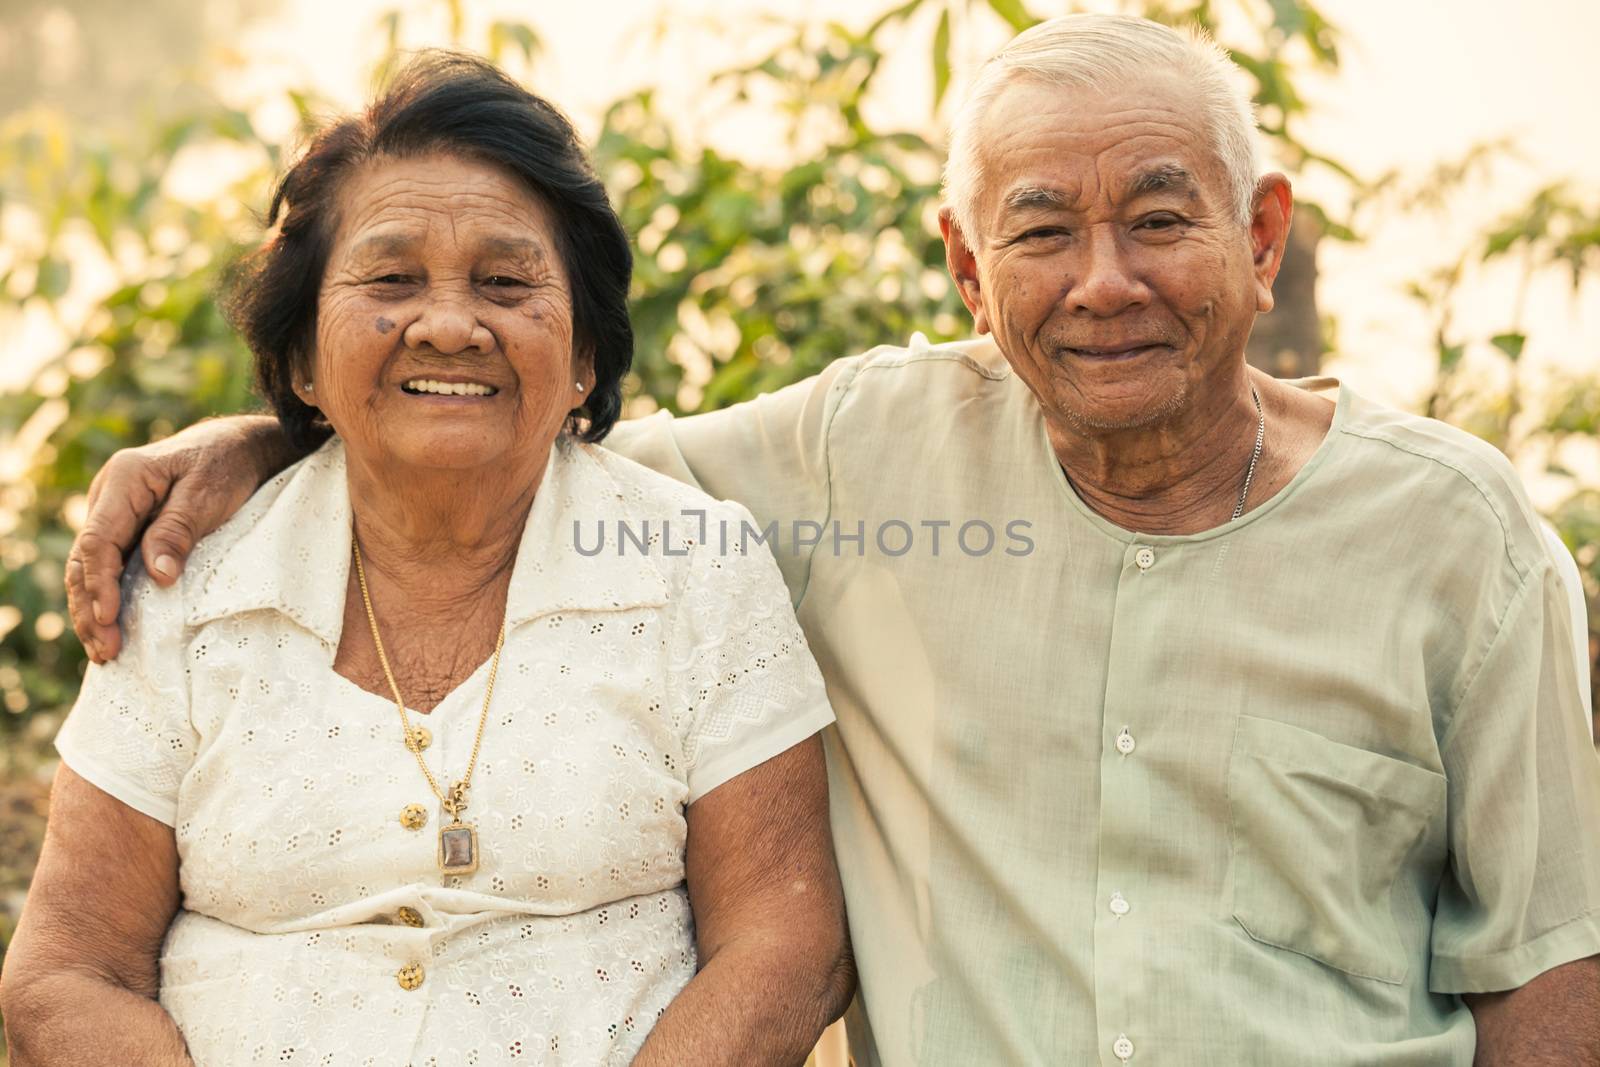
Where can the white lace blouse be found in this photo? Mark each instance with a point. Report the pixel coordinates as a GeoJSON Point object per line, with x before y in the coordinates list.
{"type": "Point", "coordinates": [633, 681]}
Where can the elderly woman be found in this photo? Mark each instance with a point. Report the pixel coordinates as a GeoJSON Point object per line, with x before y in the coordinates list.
{"type": "Point", "coordinates": [395, 774]}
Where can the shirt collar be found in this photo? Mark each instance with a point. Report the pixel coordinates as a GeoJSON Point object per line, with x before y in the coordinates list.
{"type": "Point", "coordinates": [294, 556]}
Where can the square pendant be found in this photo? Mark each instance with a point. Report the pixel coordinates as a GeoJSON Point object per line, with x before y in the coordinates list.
{"type": "Point", "coordinates": [458, 849]}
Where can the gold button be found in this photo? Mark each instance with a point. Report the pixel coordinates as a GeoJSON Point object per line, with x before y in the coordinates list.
{"type": "Point", "coordinates": [409, 976]}
{"type": "Point", "coordinates": [410, 916]}
{"type": "Point", "coordinates": [413, 816]}
{"type": "Point", "coordinates": [422, 737]}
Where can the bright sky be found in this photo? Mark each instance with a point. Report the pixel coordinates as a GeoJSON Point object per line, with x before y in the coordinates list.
{"type": "Point", "coordinates": [1420, 86]}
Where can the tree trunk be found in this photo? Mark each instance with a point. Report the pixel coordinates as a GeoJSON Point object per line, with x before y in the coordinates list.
{"type": "Point", "coordinates": [1287, 342]}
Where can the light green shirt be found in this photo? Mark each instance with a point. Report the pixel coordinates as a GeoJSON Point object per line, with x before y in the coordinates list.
{"type": "Point", "coordinates": [1270, 794]}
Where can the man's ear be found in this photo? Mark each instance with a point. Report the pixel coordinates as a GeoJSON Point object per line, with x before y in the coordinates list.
{"type": "Point", "coordinates": [963, 264]}
{"type": "Point", "coordinates": [1269, 234]}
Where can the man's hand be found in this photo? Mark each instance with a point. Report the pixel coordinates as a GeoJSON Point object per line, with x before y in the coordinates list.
{"type": "Point", "coordinates": [174, 491]}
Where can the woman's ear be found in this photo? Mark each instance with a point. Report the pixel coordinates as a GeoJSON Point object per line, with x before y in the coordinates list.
{"type": "Point", "coordinates": [302, 384]}
{"type": "Point", "coordinates": [583, 377]}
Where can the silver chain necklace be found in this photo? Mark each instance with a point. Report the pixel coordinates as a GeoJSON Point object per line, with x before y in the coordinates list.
{"type": "Point", "coordinates": [1250, 472]}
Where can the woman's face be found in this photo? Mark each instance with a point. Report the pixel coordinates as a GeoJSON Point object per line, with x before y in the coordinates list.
{"type": "Point", "coordinates": [444, 324]}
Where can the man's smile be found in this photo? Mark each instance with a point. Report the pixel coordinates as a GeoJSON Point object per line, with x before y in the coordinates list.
{"type": "Point", "coordinates": [1113, 353]}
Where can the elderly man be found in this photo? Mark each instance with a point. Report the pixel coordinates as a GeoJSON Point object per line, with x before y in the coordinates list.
{"type": "Point", "coordinates": [1185, 716]}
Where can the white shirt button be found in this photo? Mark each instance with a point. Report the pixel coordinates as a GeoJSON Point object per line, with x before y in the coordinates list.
{"type": "Point", "coordinates": [1119, 905]}
{"type": "Point", "coordinates": [1145, 557]}
{"type": "Point", "coordinates": [1122, 1048]}
{"type": "Point", "coordinates": [1125, 742]}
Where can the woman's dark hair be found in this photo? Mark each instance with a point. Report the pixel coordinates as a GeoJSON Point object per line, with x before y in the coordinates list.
{"type": "Point", "coordinates": [438, 102]}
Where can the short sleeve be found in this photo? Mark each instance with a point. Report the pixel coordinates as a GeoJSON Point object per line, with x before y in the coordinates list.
{"type": "Point", "coordinates": [769, 454]}
{"type": "Point", "coordinates": [742, 680]}
{"type": "Point", "coordinates": [1522, 893]}
{"type": "Point", "coordinates": [1577, 610]}
{"type": "Point", "coordinates": [129, 733]}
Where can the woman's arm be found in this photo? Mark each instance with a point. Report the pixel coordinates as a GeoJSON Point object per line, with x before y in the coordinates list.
{"type": "Point", "coordinates": [81, 976]}
{"type": "Point", "coordinates": [775, 964]}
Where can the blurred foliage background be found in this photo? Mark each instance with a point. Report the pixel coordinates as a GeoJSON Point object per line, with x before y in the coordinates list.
{"type": "Point", "coordinates": [750, 275]}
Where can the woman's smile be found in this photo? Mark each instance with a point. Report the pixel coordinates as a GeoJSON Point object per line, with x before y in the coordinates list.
{"type": "Point", "coordinates": [449, 389]}
{"type": "Point", "coordinates": [445, 297]}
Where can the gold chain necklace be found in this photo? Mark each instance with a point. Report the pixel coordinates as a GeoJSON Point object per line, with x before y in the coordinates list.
{"type": "Point", "coordinates": [458, 841]}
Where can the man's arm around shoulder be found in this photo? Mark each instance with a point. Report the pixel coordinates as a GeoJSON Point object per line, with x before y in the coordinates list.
{"type": "Point", "coordinates": [173, 492]}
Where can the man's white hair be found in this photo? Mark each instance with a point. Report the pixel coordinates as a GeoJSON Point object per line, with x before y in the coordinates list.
{"type": "Point", "coordinates": [1100, 53]}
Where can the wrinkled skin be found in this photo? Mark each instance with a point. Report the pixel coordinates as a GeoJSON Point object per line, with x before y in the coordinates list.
{"type": "Point", "coordinates": [1074, 255]}
{"type": "Point", "coordinates": [1111, 265]}
{"type": "Point", "coordinates": [445, 268]}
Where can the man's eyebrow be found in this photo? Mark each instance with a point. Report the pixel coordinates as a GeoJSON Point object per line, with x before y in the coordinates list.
{"type": "Point", "coordinates": [1168, 177]}
{"type": "Point", "coordinates": [1036, 197]}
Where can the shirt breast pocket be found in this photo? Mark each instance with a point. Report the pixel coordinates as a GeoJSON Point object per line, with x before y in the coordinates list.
{"type": "Point", "coordinates": [1318, 832]}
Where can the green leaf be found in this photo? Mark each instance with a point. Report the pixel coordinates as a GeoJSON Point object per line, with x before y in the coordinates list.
{"type": "Point", "coordinates": [1510, 343]}
{"type": "Point", "coordinates": [1322, 37]}
{"type": "Point", "coordinates": [55, 276]}
{"type": "Point", "coordinates": [941, 57]}
{"type": "Point", "coordinates": [1500, 242]}
{"type": "Point", "coordinates": [177, 135]}
{"type": "Point", "coordinates": [1289, 17]}
{"type": "Point", "coordinates": [518, 33]}
{"type": "Point", "coordinates": [305, 109]}
{"type": "Point", "coordinates": [1331, 227]}
{"type": "Point", "coordinates": [1450, 356]}
{"type": "Point", "coordinates": [894, 14]}
{"type": "Point", "coordinates": [233, 125]}
{"type": "Point", "coordinates": [389, 26]}
{"type": "Point", "coordinates": [1014, 13]}
{"type": "Point", "coordinates": [1332, 164]}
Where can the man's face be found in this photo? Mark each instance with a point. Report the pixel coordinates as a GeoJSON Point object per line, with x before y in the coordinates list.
{"type": "Point", "coordinates": [1109, 262]}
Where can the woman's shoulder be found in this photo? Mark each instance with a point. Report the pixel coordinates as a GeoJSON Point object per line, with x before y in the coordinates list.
{"type": "Point", "coordinates": [308, 499]}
